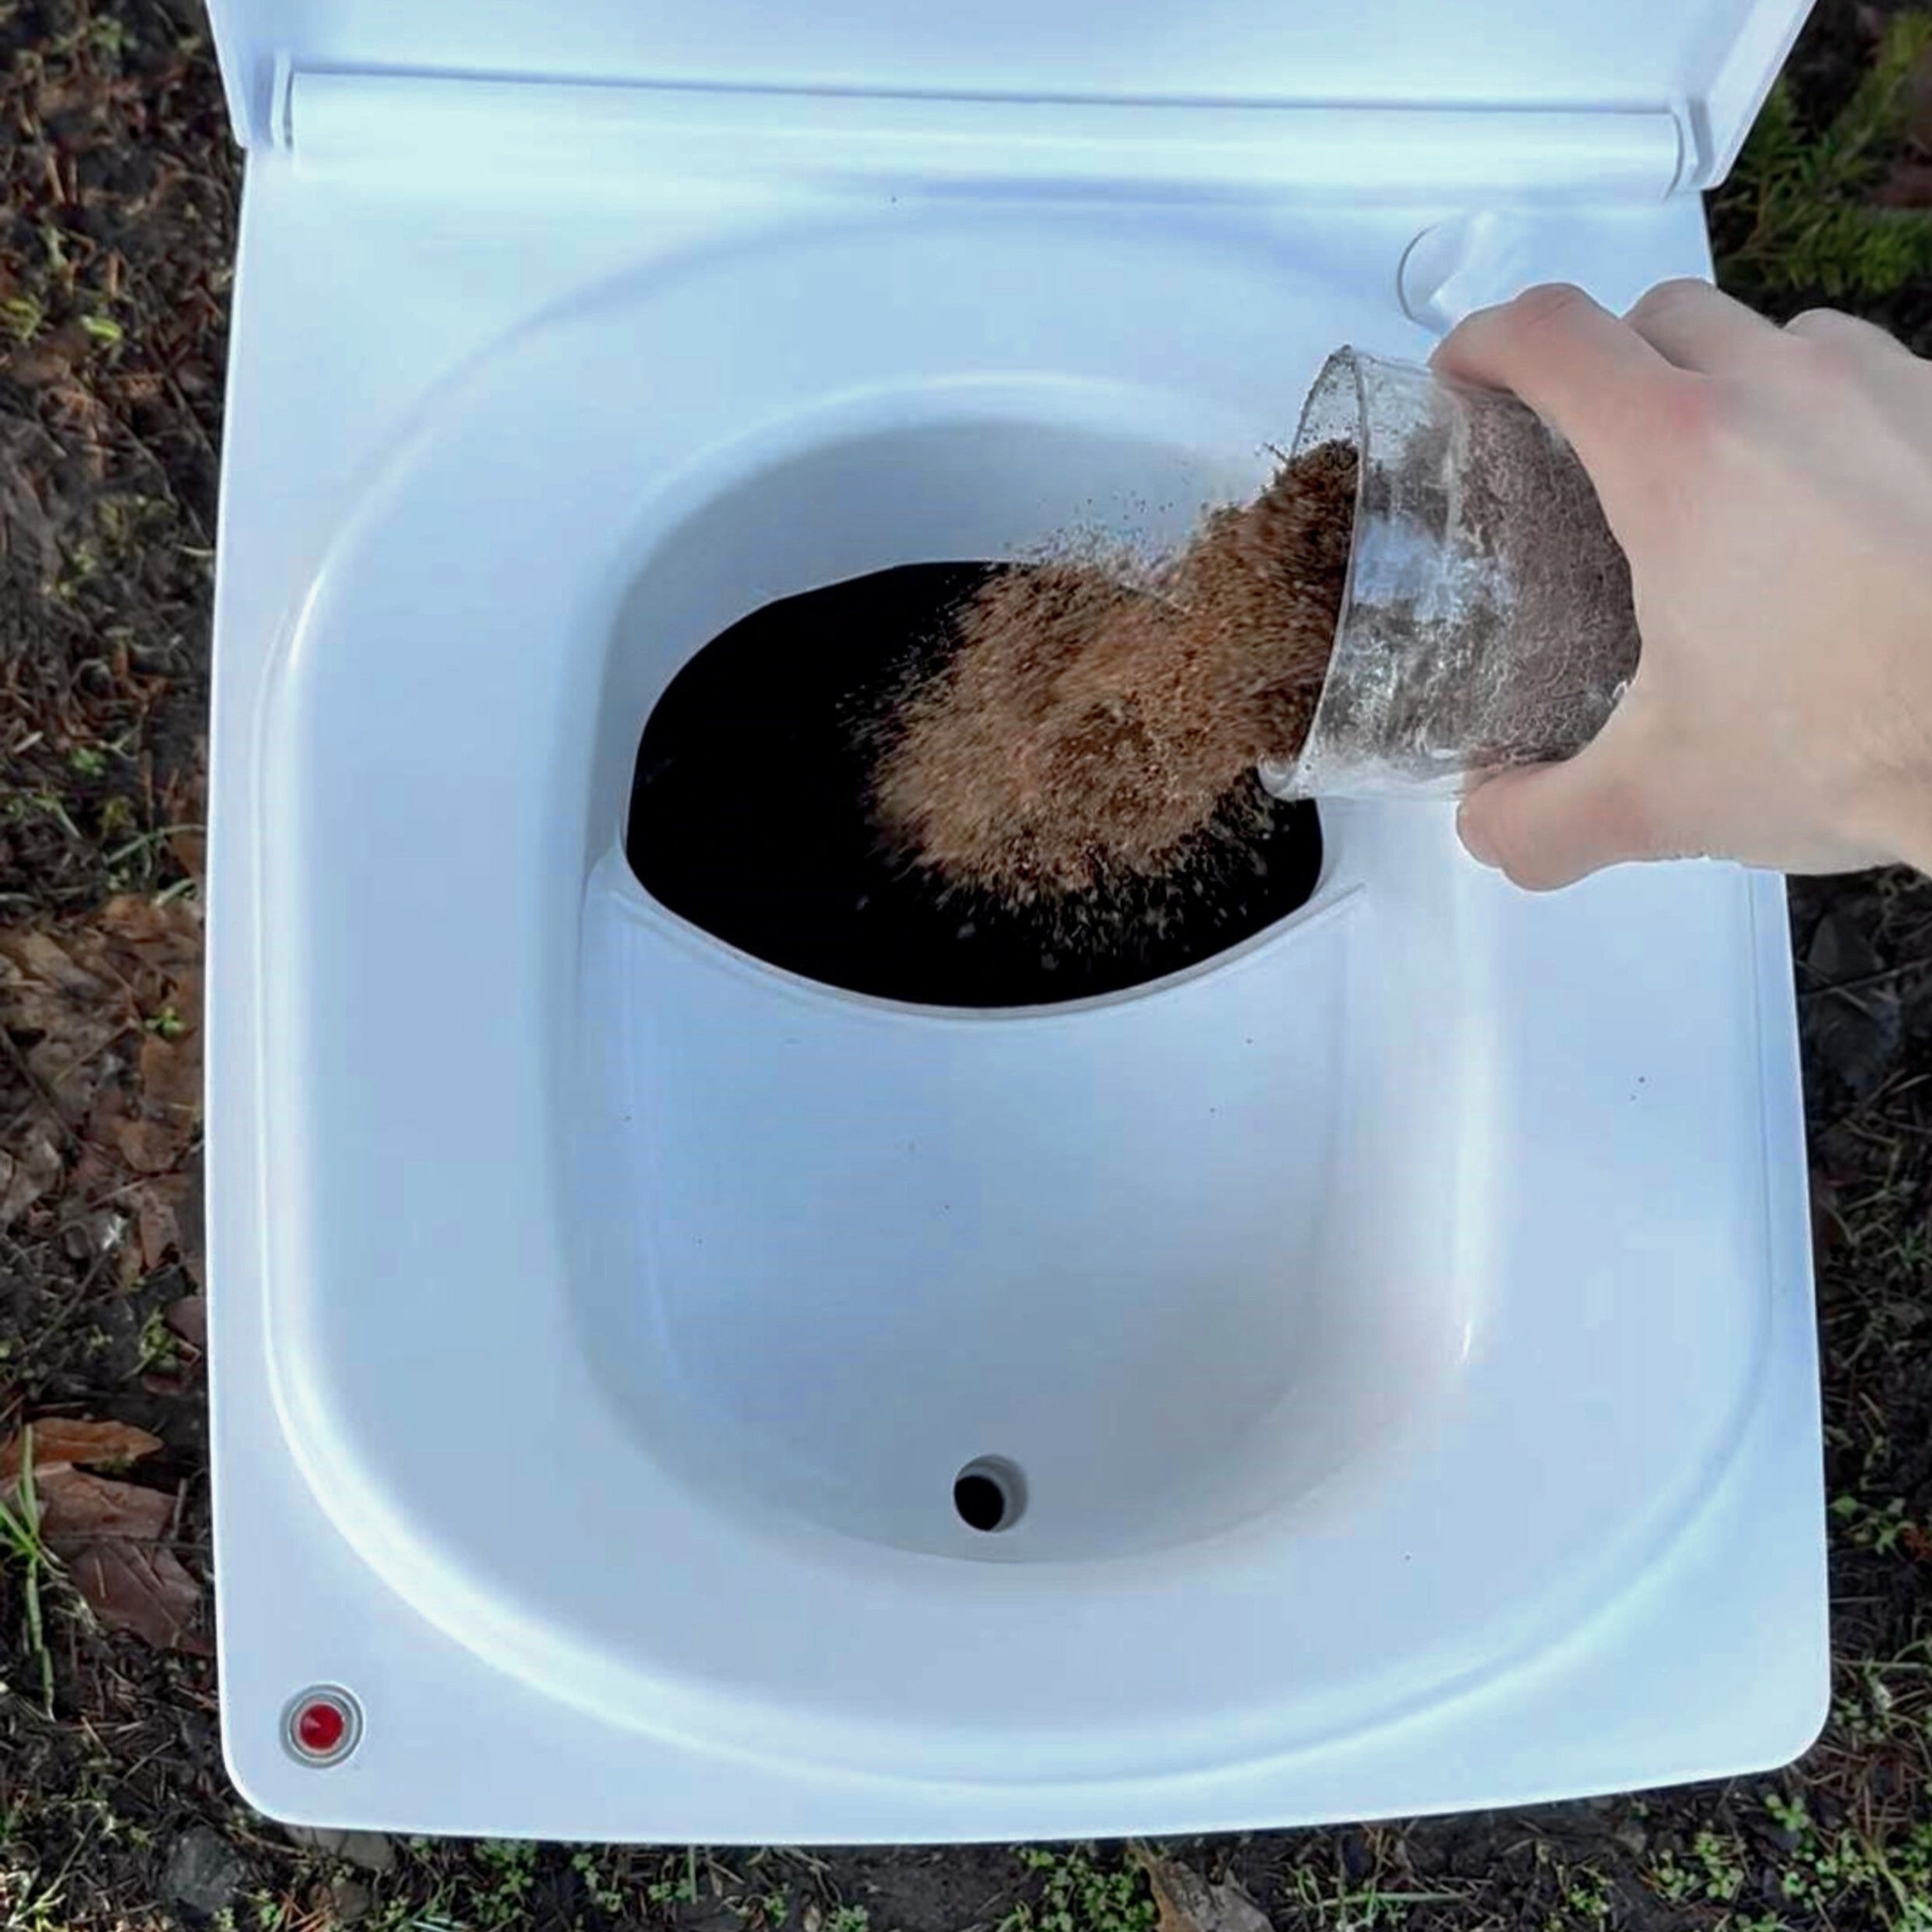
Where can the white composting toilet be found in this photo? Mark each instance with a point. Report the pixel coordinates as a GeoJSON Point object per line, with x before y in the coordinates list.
{"type": "Point", "coordinates": [1379, 1358]}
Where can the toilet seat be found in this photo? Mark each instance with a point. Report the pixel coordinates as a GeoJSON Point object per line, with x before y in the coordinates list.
{"type": "Point", "coordinates": [450, 724]}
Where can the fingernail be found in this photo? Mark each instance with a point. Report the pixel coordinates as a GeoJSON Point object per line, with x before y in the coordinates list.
{"type": "Point", "coordinates": [1475, 842]}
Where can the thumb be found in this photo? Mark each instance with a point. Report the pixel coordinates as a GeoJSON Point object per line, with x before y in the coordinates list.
{"type": "Point", "coordinates": [1547, 826]}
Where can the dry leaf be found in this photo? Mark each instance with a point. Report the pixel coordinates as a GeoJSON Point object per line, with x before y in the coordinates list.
{"type": "Point", "coordinates": [1188, 1902]}
{"type": "Point", "coordinates": [112, 1537]}
{"type": "Point", "coordinates": [189, 1318]}
{"type": "Point", "coordinates": [191, 1236]}
{"type": "Point", "coordinates": [191, 852]}
{"type": "Point", "coordinates": [27, 532]}
{"type": "Point", "coordinates": [27, 1172]}
{"type": "Point", "coordinates": [149, 1146]}
{"type": "Point", "coordinates": [163, 936]}
{"type": "Point", "coordinates": [75, 1015]}
{"type": "Point", "coordinates": [108, 1014]}
{"type": "Point", "coordinates": [155, 1223]}
{"type": "Point", "coordinates": [52, 986]}
{"type": "Point", "coordinates": [171, 1076]}
{"type": "Point", "coordinates": [59, 1439]}
{"type": "Point", "coordinates": [185, 803]}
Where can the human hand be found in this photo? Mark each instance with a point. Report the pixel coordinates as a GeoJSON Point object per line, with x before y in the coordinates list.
{"type": "Point", "coordinates": [1772, 489]}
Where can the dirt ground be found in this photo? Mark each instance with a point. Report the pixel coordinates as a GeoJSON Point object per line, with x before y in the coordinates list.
{"type": "Point", "coordinates": [118, 194]}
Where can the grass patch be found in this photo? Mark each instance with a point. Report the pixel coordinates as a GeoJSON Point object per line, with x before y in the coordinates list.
{"type": "Point", "coordinates": [1800, 199]}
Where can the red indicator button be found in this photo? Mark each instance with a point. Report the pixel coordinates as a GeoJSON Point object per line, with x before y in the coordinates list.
{"type": "Point", "coordinates": [321, 1725]}
{"type": "Point", "coordinates": [320, 1728]}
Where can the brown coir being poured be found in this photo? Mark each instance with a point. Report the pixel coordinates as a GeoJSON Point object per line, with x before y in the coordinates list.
{"type": "Point", "coordinates": [1086, 730]}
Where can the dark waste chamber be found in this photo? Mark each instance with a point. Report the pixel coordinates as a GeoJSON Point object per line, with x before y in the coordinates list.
{"type": "Point", "coordinates": [750, 817]}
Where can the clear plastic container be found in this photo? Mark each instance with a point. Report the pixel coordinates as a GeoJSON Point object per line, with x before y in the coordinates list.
{"type": "Point", "coordinates": [1487, 619]}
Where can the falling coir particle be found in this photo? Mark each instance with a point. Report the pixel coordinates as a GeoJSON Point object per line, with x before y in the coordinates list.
{"type": "Point", "coordinates": [1086, 731]}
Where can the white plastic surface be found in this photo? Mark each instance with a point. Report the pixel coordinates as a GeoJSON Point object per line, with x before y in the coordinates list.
{"type": "Point", "coordinates": [375, 128]}
{"type": "Point", "coordinates": [1714, 57]}
{"type": "Point", "coordinates": [1402, 1325]}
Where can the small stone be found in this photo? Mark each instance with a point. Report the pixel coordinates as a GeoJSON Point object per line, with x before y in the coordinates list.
{"type": "Point", "coordinates": [350, 1901]}
{"type": "Point", "coordinates": [204, 1873]}
{"type": "Point", "coordinates": [370, 1850]}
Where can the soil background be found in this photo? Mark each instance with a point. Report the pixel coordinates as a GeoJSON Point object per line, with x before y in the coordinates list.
{"type": "Point", "coordinates": [119, 190]}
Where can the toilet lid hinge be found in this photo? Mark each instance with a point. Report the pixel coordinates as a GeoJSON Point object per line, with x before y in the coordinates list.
{"type": "Point", "coordinates": [463, 130]}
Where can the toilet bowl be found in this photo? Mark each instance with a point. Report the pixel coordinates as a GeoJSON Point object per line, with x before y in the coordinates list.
{"type": "Point", "coordinates": [661, 1395]}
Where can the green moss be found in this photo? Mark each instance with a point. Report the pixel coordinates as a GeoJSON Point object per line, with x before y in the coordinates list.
{"type": "Point", "coordinates": [1077, 1894]}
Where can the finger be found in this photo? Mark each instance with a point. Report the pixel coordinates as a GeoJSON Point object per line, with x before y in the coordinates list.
{"type": "Point", "coordinates": [1860, 367]}
{"type": "Point", "coordinates": [1863, 340]}
{"type": "Point", "coordinates": [1580, 369]}
{"type": "Point", "coordinates": [1548, 826]}
{"type": "Point", "coordinates": [1690, 323]}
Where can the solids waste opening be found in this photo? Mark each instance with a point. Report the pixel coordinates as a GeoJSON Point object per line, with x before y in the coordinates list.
{"type": "Point", "coordinates": [751, 816]}
{"type": "Point", "coordinates": [989, 1494]}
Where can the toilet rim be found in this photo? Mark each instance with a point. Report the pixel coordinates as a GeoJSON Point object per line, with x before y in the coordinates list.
{"type": "Point", "coordinates": [377, 1514]}
{"type": "Point", "coordinates": [1338, 896]}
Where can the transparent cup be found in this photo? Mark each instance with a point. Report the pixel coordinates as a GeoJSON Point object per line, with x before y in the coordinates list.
{"type": "Point", "coordinates": [1486, 621]}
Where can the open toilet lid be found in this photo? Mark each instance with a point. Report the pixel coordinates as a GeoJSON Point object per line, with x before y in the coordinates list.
{"type": "Point", "coordinates": [1708, 61]}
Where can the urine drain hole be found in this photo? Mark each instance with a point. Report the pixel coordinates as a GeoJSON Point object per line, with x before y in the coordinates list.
{"type": "Point", "coordinates": [989, 1494]}
{"type": "Point", "coordinates": [750, 816]}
